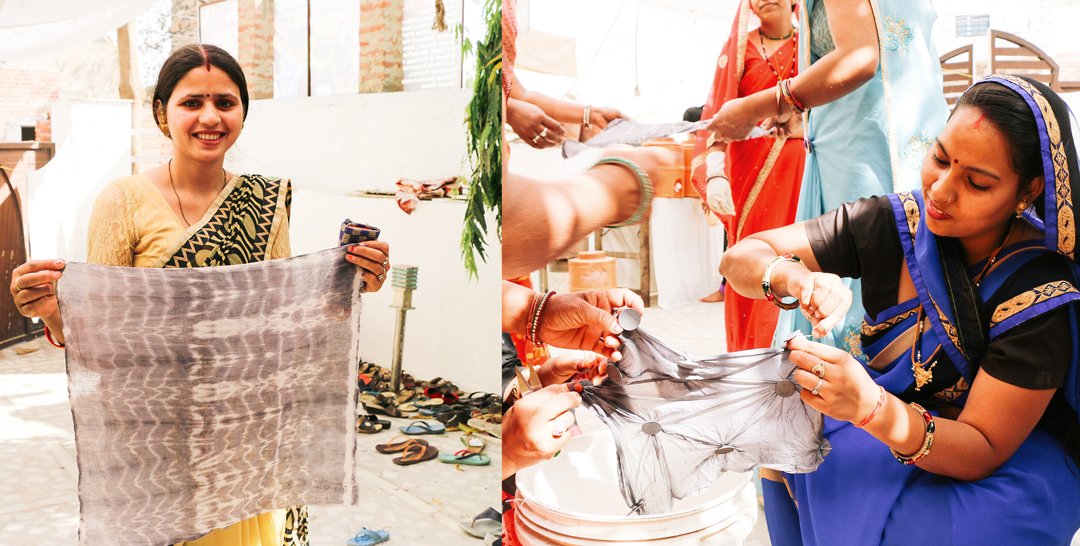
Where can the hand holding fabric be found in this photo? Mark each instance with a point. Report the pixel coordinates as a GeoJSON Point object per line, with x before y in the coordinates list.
{"type": "Point", "coordinates": [373, 257]}
{"type": "Point", "coordinates": [733, 122]}
{"type": "Point", "coordinates": [561, 368]}
{"type": "Point", "coordinates": [33, 287]}
{"type": "Point", "coordinates": [601, 116]}
{"type": "Point", "coordinates": [823, 299]}
{"type": "Point", "coordinates": [584, 320]}
{"type": "Point", "coordinates": [535, 127]}
{"type": "Point", "coordinates": [844, 390]}
{"type": "Point", "coordinates": [535, 428]}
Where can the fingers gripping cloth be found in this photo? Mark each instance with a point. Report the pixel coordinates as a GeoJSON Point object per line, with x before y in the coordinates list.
{"type": "Point", "coordinates": [680, 422]}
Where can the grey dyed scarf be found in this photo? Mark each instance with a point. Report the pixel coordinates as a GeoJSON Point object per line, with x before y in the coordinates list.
{"type": "Point", "coordinates": [204, 396]}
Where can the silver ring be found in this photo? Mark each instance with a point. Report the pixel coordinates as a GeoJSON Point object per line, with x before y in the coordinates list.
{"type": "Point", "coordinates": [819, 369]}
{"type": "Point", "coordinates": [386, 264]}
{"type": "Point", "coordinates": [543, 132]}
{"type": "Point", "coordinates": [817, 388]}
{"type": "Point", "coordinates": [536, 139]}
{"type": "Point", "coordinates": [381, 276]}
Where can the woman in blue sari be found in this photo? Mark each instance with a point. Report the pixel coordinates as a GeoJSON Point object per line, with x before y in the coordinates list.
{"type": "Point", "coordinates": [961, 426]}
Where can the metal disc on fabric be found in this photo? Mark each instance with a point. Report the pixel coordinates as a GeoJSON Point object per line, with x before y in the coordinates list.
{"type": "Point", "coordinates": [785, 388]}
{"type": "Point", "coordinates": [724, 450]}
{"type": "Point", "coordinates": [629, 318]}
{"type": "Point", "coordinates": [652, 428]}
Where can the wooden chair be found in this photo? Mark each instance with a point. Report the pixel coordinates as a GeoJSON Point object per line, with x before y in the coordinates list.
{"type": "Point", "coordinates": [957, 71]}
{"type": "Point", "coordinates": [1010, 54]}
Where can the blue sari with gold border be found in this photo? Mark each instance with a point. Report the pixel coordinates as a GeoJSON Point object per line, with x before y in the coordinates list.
{"type": "Point", "coordinates": [860, 494]}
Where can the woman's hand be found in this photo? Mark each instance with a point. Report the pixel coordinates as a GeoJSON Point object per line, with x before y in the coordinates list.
{"type": "Point", "coordinates": [844, 390]}
{"type": "Point", "coordinates": [373, 257]}
{"type": "Point", "coordinates": [535, 428]}
{"type": "Point", "coordinates": [823, 298]}
{"type": "Point", "coordinates": [561, 368]}
{"type": "Point", "coordinates": [583, 320]}
{"type": "Point", "coordinates": [529, 122]}
{"type": "Point", "coordinates": [601, 116]}
{"type": "Point", "coordinates": [734, 121]}
{"type": "Point", "coordinates": [33, 287]}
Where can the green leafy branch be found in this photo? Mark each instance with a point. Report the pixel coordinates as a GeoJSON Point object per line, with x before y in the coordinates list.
{"type": "Point", "coordinates": [483, 117]}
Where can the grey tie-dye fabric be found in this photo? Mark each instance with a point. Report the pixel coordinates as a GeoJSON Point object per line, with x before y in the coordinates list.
{"type": "Point", "coordinates": [679, 422]}
{"type": "Point", "coordinates": [203, 396]}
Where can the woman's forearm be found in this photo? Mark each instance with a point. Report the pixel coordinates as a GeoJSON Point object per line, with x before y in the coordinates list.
{"type": "Point", "coordinates": [562, 111]}
{"type": "Point", "coordinates": [744, 264]}
{"type": "Point", "coordinates": [55, 323]}
{"type": "Point", "coordinates": [516, 300]}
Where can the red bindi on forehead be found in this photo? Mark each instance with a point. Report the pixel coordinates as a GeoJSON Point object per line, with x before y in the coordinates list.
{"type": "Point", "coordinates": [955, 161]}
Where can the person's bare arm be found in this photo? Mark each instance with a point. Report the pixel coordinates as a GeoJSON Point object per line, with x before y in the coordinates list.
{"type": "Point", "coordinates": [851, 64]}
{"type": "Point", "coordinates": [542, 219]}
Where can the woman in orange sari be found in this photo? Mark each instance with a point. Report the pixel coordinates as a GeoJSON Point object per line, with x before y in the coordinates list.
{"type": "Point", "coordinates": [764, 173]}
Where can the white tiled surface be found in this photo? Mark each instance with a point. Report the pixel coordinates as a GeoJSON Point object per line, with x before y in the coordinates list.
{"type": "Point", "coordinates": [419, 504]}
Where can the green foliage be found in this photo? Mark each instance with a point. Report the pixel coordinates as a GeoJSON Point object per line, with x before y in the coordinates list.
{"type": "Point", "coordinates": [483, 117]}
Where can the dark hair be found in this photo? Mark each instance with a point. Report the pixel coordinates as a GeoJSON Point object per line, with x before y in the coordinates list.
{"type": "Point", "coordinates": [193, 56]}
{"type": "Point", "coordinates": [1012, 116]}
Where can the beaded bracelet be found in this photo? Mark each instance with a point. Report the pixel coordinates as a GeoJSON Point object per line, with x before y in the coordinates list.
{"type": "Point", "coordinates": [928, 440]}
{"type": "Point", "coordinates": [644, 184]}
{"type": "Point", "coordinates": [534, 319]}
{"type": "Point", "coordinates": [766, 281]}
{"type": "Point", "coordinates": [873, 412]}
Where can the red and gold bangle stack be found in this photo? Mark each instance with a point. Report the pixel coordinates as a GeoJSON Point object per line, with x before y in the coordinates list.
{"type": "Point", "coordinates": [928, 440]}
{"type": "Point", "coordinates": [536, 311]}
{"type": "Point", "coordinates": [53, 342]}
{"type": "Point", "coordinates": [785, 91]}
{"type": "Point", "coordinates": [766, 282]}
{"type": "Point", "coordinates": [873, 412]}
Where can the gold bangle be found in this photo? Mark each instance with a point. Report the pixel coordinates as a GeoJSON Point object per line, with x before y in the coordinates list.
{"type": "Point", "coordinates": [928, 439]}
{"type": "Point", "coordinates": [766, 281]}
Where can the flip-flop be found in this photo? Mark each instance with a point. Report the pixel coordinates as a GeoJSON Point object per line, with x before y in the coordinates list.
{"type": "Point", "coordinates": [416, 453]}
{"type": "Point", "coordinates": [425, 402]}
{"type": "Point", "coordinates": [399, 444]}
{"type": "Point", "coordinates": [466, 457]}
{"type": "Point", "coordinates": [423, 427]}
{"type": "Point", "coordinates": [473, 442]}
{"type": "Point", "coordinates": [369, 537]}
{"type": "Point", "coordinates": [487, 522]}
{"type": "Point", "coordinates": [369, 424]}
{"type": "Point", "coordinates": [381, 409]}
{"type": "Point", "coordinates": [453, 419]}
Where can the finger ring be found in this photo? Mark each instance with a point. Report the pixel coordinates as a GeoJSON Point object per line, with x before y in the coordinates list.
{"type": "Point", "coordinates": [17, 287]}
{"type": "Point", "coordinates": [381, 276]}
{"type": "Point", "coordinates": [536, 139]}
{"type": "Point", "coordinates": [819, 369]}
{"type": "Point", "coordinates": [817, 388]}
{"type": "Point", "coordinates": [543, 132]}
{"type": "Point", "coordinates": [386, 264]}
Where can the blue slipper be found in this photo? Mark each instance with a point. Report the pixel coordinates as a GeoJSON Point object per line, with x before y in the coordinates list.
{"type": "Point", "coordinates": [423, 427]}
{"type": "Point", "coordinates": [367, 537]}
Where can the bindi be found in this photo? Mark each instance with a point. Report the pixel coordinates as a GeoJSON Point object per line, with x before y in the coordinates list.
{"type": "Point", "coordinates": [956, 161]}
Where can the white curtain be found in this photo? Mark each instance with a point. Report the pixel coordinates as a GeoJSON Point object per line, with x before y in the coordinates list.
{"type": "Point", "coordinates": [29, 28]}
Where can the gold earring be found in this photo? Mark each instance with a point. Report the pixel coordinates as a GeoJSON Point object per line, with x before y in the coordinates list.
{"type": "Point", "coordinates": [1020, 209]}
{"type": "Point", "coordinates": [163, 125]}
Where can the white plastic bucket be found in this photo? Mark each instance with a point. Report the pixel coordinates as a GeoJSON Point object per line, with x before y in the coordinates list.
{"type": "Point", "coordinates": [574, 499]}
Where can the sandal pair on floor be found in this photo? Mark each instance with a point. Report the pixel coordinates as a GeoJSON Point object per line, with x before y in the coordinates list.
{"type": "Point", "coordinates": [413, 450]}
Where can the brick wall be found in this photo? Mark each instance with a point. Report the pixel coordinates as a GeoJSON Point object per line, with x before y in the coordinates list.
{"type": "Point", "coordinates": [257, 46]}
{"type": "Point", "coordinates": [380, 45]}
{"type": "Point", "coordinates": [25, 96]}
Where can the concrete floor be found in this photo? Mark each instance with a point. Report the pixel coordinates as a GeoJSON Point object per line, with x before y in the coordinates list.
{"type": "Point", "coordinates": [419, 504]}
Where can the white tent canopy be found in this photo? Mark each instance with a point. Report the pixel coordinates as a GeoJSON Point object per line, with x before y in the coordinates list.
{"type": "Point", "coordinates": [29, 28]}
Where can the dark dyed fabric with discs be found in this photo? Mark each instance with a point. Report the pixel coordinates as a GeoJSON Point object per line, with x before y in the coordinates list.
{"type": "Point", "coordinates": [203, 396]}
{"type": "Point", "coordinates": [679, 422]}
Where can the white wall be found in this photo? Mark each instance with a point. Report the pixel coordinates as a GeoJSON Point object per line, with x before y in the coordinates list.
{"type": "Point", "coordinates": [93, 147]}
{"type": "Point", "coordinates": [330, 146]}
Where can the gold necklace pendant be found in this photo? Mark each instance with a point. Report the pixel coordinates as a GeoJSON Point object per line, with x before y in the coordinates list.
{"type": "Point", "coordinates": [922, 375]}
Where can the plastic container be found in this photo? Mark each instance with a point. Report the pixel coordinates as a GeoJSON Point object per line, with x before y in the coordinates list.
{"type": "Point", "coordinates": [592, 270]}
{"type": "Point", "coordinates": [574, 499]}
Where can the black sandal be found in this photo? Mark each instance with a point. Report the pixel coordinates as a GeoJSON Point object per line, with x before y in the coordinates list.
{"type": "Point", "coordinates": [369, 424]}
